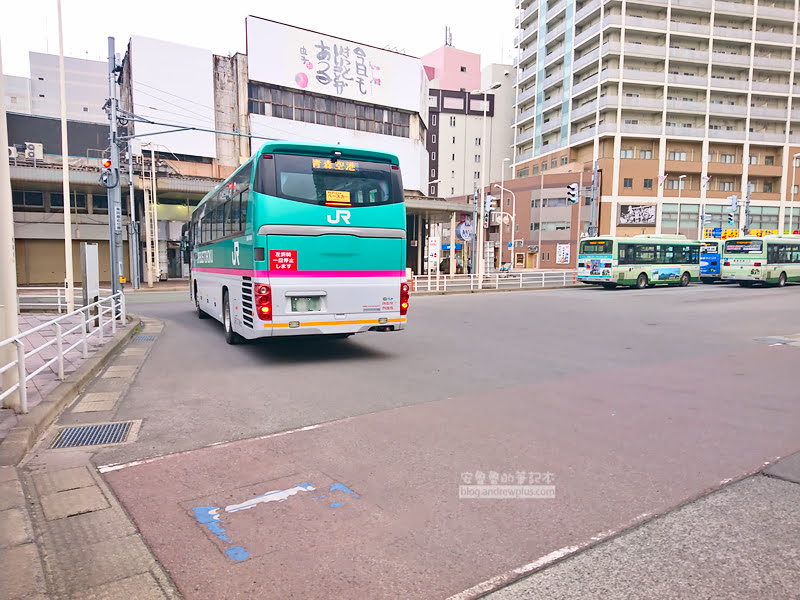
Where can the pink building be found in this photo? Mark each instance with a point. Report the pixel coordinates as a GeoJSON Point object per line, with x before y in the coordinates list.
{"type": "Point", "coordinates": [455, 70]}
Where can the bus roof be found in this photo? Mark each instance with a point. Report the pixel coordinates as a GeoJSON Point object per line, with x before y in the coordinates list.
{"type": "Point", "coordinates": [644, 238]}
{"type": "Point", "coordinates": [303, 148]}
{"type": "Point", "coordinates": [775, 237]}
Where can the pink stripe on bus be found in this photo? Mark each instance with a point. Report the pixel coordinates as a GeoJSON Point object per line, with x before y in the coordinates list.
{"type": "Point", "coordinates": [280, 273]}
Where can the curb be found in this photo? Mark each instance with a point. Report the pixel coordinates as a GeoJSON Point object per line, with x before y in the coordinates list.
{"type": "Point", "coordinates": [21, 438]}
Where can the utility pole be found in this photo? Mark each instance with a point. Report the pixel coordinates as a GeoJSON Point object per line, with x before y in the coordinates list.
{"type": "Point", "coordinates": [114, 189]}
{"type": "Point", "coordinates": [593, 226]}
{"type": "Point", "coordinates": [9, 323]}
{"type": "Point", "coordinates": [65, 173]}
{"type": "Point", "coordinates": [473, 258]}
{"type": "Point", "coordinates": [133, 226]}
{"type": "Point", "coordinates": [156, 258]}
{"type": "Point", "coordinates": [747, 211]}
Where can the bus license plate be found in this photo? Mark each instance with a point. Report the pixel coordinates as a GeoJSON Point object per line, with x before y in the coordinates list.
{"type": "Point", "coordinates": [306, 304]}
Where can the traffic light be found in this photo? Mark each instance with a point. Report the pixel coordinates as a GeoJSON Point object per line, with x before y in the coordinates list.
{"type": "Point", "coordinates": [105, 173]}
{"type": "Point", "coordinates": [734, 204]}
{"type": "Point", "coordinates": [487, 207]}
{"type": "Point", "coordinates": [706, 219]}
{"type": "Point", "coordinates": [572, 193]}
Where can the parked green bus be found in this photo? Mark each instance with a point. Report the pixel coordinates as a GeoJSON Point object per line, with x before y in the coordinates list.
{"type": "Point", "coordinates": [303, 239]}
{"type": "Point", "coordinates": [770, 260]}
{"type": "Point", "coordinates": [638, 261]}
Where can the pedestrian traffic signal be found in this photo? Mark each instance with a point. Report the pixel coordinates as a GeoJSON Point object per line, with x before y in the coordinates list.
{"type": "Point", "coordinates": [731, 218]}
{"type": "Point", "coordinates": [572, 193]}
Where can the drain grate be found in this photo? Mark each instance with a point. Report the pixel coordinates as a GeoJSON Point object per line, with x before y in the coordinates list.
{"type": "Point", "coordinates": [92, 435]}
{"type": "Point", "coordinates": [143, 337]}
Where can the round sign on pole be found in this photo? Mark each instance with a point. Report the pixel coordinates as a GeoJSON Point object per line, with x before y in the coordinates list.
{"type": "Point", "coordinates": [464, 232]}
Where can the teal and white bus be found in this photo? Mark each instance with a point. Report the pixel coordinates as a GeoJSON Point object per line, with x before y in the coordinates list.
{"type": "Point", "coordinates": [303, 240]}
{"type": "Point", "coordinates": [770, 260]}
{"type": "Point", "coordinates": [638, 261]}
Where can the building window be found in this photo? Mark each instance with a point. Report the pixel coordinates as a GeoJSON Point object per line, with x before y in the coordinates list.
{"type": "Point", "coordinates": [508, 201]}
{"type": "Point", "coordinates": [767, 187]}
{"type": "Point", "coordinates": [676, 184]}
{"type": "Point", "coordinates": [433, 138]}
{"type": "Point", "coordinates": [433, 172]}
{"type": "Point", "coordinates": [452, 121]}
{"type": "Point", "coordinates": [553, 163]}
{"type": "Point", "coordinates": [452, 174]}
{"type": "Point", "coordinates": [463, 69]}
{"type": "Point", "coordinates": [795, 189]}
{"type": "Point", "coordinates": [452, 156]}
{"type": "Point", "coordinates": [27, 199]}
{"type": "Point", "coordinates": [753, 160]}
{"type": "Point", "coordinates": [725, 186]}
{"type": "Point", "coordinates": [477, 174]}
{"type": "Point", "coordinates": [477, 141]}
{"type": "Point", "coordinates": [769, 161]}
{"type": "Point", "coordinates": [677, 155]}
{"type": "Point", "coordinates": [648, 184]}
{"type": "Point", "coordinates": [524, 172]}
{"type": "Point", "coordinates": [452, 191]}
{"type": "Point", "coordinates": [648, 154]}
{"type": "Point", "coordinates": [631, 121]}
{"type": "Point", "coordinates": [544, 167]}
{"type": "Point", "coordinates": [433, 118]}
{"type": "Point", "coordinates": [454, 139]}
{"type": "Point", "coordinates": [535, 170]}
{"type": "Point", "coordinates": [76, 201]}
{"type": "Point", "coordinates": [727, 158]}
{"type": "Point", "coordinates": [626, 154]}
{"type": "Point", "coordinates": [85, 109]}
{"type": "Point", "coordinates": [477, 158]}
{"type": "Point", "coordinates": [433, 155]}
{"type": "Point", "coordinates": [627, 183]}
{"type": "Point", "coordinates": [99, 203]}
{"type": "Point", "coordinates": [564, 160]}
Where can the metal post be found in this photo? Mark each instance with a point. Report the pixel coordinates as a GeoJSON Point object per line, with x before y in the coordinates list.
{"type": "Point", "coordinates": [114, 192]}
{"type": "Point", "coordinates": [133, 237]}
{"type": "Point", "coordinates": [100, 318]}
{"type": "Point", "coordinates": [84, 334]}
{"type": "Point", "coordinates": [154, 207]}
{"type": "Point", "coordinates": [65, 172]}
{"type": "Point", "coordinates": [58, 299]}
{"type": "Point", "coordinates": [60, 351]}
{"type": "Point", "coordinates": [472, 258]}
{"type": "Point", "coordinates": [747, 211]}
{"type": "Point", "coordinates": [21, 375]}
{"type": "Point", "coordinates": [9, 303]}
{"type": "Point", "coordinates": [791, 193]}
{"type": "Point", "coordinates": [592, 227]}
{"type": "Point", "coordinates": [124, 320]}
{"type": "Point", "coordinates": [482, 242]}
{"type": "Point", "coordinates": [114, 314]}
{"type": "Point", "coordinates": [148, 255]}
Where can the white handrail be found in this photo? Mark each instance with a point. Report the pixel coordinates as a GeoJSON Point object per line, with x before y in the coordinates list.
{"type": "Point", "coordinates": [494, 281]}
{"type": "Point", "coordinates": [116, 308]}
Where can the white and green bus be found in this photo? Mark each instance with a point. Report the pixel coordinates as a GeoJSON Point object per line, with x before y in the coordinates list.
{"type": "Point", "coordinates": [303, 240]}
{"type": "Point", "coordinates": [769, 260]}
{"type": "Point", "coordinates": [639, 261]}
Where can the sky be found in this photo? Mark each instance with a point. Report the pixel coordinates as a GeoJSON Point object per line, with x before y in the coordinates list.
{"type": "Point", "coordinates": [415, 27]}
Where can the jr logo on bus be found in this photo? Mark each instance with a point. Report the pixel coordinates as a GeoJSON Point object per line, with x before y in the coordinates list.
{"type": "Point", "coordinates": [235, 253]}
{"type": "Point", "coordinates": [341, 215]}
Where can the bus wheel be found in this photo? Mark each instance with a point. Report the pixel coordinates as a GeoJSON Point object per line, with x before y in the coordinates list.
{"type": "Point", "coordinates": [230, 335]}
{"type": "Point", "coordinates": [200, 313]}
{"type": "Point", "coordinates": [685, 279]}
{"type": "Point", "coordinates": [782, 280]}
{"type": "Point", "coordinates": [641, 281]}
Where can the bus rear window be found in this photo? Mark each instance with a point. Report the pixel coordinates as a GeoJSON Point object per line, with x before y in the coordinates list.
{"type": "Point", "coordinates": [744, 247]}
{"type": "Point", "coordinates": [709, 248]}
{"type": "Point", "coordinates": [596, 246]}
{"type": "Point", "coordinates": [325, 182]}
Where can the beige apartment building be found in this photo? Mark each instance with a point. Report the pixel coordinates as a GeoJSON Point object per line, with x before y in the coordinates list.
{"type": "Point", "coordinates": [681, 103]}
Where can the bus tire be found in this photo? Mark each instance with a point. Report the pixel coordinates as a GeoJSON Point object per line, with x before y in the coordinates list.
{"type": "Point", "coordinates": [200, 313]}
{"type": "Point", "coordinates": [641, 281]}
{"type": "Point", "coordinates": [685, 279]}
{"type": "Point", "coordinates": [782, 279]}
{"type": "Point", "coordinates": [231, 336]}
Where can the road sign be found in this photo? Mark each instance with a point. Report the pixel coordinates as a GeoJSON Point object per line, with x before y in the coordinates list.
{"type": "Point", "coordinates": [464, 231]}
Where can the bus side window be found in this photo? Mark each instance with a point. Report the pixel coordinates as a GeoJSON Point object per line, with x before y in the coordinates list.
{"type": "Point", "coordinates": [243, 202]}
{"type": "Point", "coordinates": [228, 229]}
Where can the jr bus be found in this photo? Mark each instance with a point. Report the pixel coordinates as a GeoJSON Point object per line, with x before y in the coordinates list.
{"type": "Point", "coordinates": [638, 261]}
{"type": "Point", "coordinates": [303, 240]}
{"type": "Point", "coordinates": [710, 261]}
{"type": "Point", "coordinates": [770, 260]}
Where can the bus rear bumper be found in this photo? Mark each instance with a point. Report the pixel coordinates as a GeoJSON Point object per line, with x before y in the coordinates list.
{"type": "Point", "coordinates": [334, 325]}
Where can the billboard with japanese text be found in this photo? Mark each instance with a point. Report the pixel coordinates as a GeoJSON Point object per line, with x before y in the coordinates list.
{"type": "Point", "coordinates": [301, 59]}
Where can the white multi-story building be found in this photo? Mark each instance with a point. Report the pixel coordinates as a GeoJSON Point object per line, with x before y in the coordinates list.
{"type": "Point", "coordinates": [681, 105]}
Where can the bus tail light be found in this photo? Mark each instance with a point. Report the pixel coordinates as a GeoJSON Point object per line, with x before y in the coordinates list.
{"type": "Point", "coordinates": [607, 265]}
{"type": "Point", "coordinates": [264, 302]}
{"type": "Point", "coordinates": [403, 298]}
{"type": "Point", "coordinates": [581, 265]}
{"type": "Point", "coordinates": [756, 264]}
{"type": "Point", "coordinates": [727, 263]}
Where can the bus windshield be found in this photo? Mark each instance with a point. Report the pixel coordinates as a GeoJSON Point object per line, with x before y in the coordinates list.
{"type": "Point", "coordinates": [596, 246]}
{"type": "Point", "coordinates": [325, 182]}
{"type": "Point", "coordinates": [744, 247]}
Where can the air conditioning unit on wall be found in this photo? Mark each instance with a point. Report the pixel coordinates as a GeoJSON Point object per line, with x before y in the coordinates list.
{"type": "Point", "coordinates": [12, 152]}
{"type": "Point", "coordinates": [34, 151]}
{"type": "Point", "coordinates": [533, 249]}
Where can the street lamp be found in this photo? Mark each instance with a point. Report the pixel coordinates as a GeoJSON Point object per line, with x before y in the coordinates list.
{"type": "Point", "coordinates": [513, 224]}
{"type": "Point", "coordinates": [792, 194]}
{"type": "Point", "coordinates": [482, 235]}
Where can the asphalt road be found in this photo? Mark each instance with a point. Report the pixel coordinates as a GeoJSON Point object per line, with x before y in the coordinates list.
{"type": "Point", "coordinates": [634, 401]}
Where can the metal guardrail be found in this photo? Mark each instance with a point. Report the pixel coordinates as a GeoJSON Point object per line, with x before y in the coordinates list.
{"type": "Point", "coordinates": [494, 281]}
{"type": "Point", "coordinates": [47, 298]}
{"type": "Point", "coordinates": [115, 309]}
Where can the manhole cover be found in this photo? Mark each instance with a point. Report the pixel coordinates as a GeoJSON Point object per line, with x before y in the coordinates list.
{"type": "Point", "coordinates": [92, 435]}
{"type": "Point", "coordinates": [142, 337]}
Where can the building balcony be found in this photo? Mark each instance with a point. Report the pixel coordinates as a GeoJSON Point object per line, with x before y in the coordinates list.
{"type": "Point", "coordinates": [721, 168]}
{"type": "Point", "coordinates": [554, 33]}
{"type": "Point", "coordinates": [523, 156]}
{"type": "Point", "coordinates": [587, 60]}
{"type": "Point", "coordinates": [585, 84]}
{"type": "Point", "coordinates": [767, 136]}
{"type": "Point", "coordinates": [765, 170]}
{"type": "Point", "coordinates": [646, 50]}
{"type": "Point", "coordinates": [739, 60]}
{"type": "Point", "coordinates": [766, 62]}
{"type": "Point", "coordinates": [684, 106]}
{"type": "Point", "coordinates": [775, 88]}
{"type": "Point", "coordinates": [682, 167]}
{"type": "Point", "coordinates": [555, 55]}
{"type": "Point", "coordinates": [689, 28]}
{"type": "Point", "coordinates": [526, 95]}
{"type": "Point", "coordinates": [723, 134]}
{"type": "Point", "coordinates": [649, 104]}
{"type": "Point", "coordinates": [548, 104]}
{"type": "Point", "coordinates": [690, 4]}
{"type": "Point", "coordinates": [556, 78]}
{"type": "Point", "coordinates": [527, 15]}
{"type": "Point", "coordinates": [584, 110]}
{"type": "Point", "coordinates": [559, 8]}
{"type": "Point", "coordinates": [774, 37]}
{"type": "Point", "coordinates": [784, 14]}
{"type": "Point", "coordinates": [796, 114]}
{"type": "Point", "coordinates": [524, 137]}
{"type": "Point", "coordinates": [527, 75]}
{"type": "Point", "coordinates": [650, 76]}
{"type": "Point", "coordinates": [697, 80]}
{"type": "Point", "coordinates": [582, 135]}
{"type": "Point", "coordinates": [552, 125]}
{"type": "Point", "coordinates": [641, 129]}
{"type": "Point", "coordinates": [728, 32]}
{"type": "Point", "coordinates": [697, 132]}
{"type": "Point", "coordinates": [643, 23]}
{"type": "Point", "coordinates": [526, 54]}
{"type": "Point", "coordinates": [525, 116]}
{"type": "Point", "coordinates": [735, 8]}
{"type": "Point", "coordinates": [649, 2]}
{"type": "Point", "coordinates": [587, 10]}
{"type": "Point", "coordinates": [736, 110]}
{"type": "Point", "coordinates": [731, 84]}
{"type": "Point", "coordinates": [609, 101]}
{"type": "Point", "coordinates": [680, 53]}
{"type": "Point", "coordinates": [768, 113]}
{"type": "Point", "coordinates": [526, 37]}
{"type": "Point", "coordinates": [587, 34]}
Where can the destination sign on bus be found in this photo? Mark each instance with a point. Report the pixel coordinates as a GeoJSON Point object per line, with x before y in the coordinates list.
{"type": "Point", "coordinates": [329, 165]}
{"type": "Point", "coordinates": [744, 247]}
